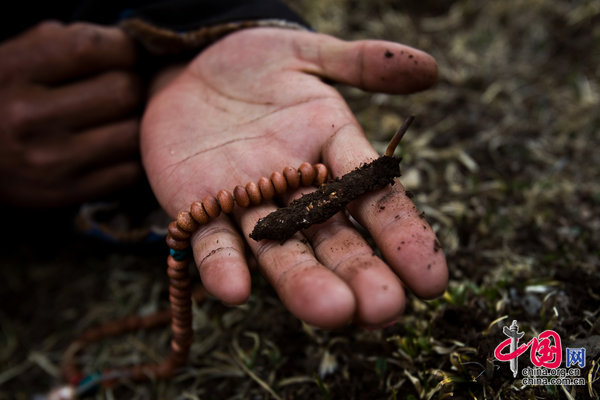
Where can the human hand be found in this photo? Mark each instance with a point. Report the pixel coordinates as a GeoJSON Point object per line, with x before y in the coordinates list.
{"type": "Point", "coordinates": [253, 103]}
{"type": "Point", "coordinates": [68, 127]}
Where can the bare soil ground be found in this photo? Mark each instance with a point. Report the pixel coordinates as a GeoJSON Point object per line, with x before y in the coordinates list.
{"type": "Point", "coordinates": [502, 158]}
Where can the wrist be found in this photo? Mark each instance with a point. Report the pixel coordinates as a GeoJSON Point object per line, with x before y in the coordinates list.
{"type": "Point", "coordinates": [163, 41]}
{"type": "Point", "coordinates": [184, 27]}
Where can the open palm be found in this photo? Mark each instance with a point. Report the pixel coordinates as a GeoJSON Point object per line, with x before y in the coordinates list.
{"type": "Point", "coordinates": [255, 102]}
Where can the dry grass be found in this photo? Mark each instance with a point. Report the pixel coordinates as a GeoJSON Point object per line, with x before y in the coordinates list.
{"type": "Point", "coordinates": [503, 159]}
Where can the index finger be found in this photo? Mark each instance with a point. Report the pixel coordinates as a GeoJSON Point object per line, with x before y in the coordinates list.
{"type": "Point", "coordinates": [53, 52]}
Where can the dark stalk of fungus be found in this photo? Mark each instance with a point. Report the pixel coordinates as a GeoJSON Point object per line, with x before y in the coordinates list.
{"type": "Point", "coordinates": [331, 197]}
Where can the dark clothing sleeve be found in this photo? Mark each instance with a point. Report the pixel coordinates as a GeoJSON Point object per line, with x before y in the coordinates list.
{"type": "Point", "coordinates": [187, 15]}
{"type": "Point", "coordinates": [179, 26]}
{"type": "Point", "coordinates": [161, 26]}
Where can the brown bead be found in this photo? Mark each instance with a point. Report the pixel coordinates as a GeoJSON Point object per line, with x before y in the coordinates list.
{"type": "Point", "coordinates": [180, 308]}
{"type": "Point", "coordinates": [186, 222]}
{"type": "Point", "coordinates": [225, 199]}
{"type": "Point", "coordinates": [181, 311]}
{"type": "Point", "coordinates": [181, 315]}
{"type": "Point", "coordinates": [153, 320]}
{"type": "Point", "coordinates": [177, 232]}
{"type": "Point", "coordinates": [179, 348]}
{"type": "Point", "coordinates": [177, 329]}
{"type": "Point", "coordinates": [321, 176]}
{"type": "Point", "coordinates": [177, 296]}
{"type": "Point", "coordinates": [182, 347]}
{"type": "Point", "coordinates": [180, 297]}
{"type": "Point", "coordinates": [266, 188]}
{"type": "Point", "coordinates": [182, 321]}
{"type": "Point", "coordinates": [199, 213]}
{"type": "Point", "coordinates": [307, 173]}
{"type": "Point", "coordinates": [253, 193]}
{"type": "Point", "coordinates": [279, 183]}
{"type": "Point", "coordinates": [182, 331]}
{"type": "Point", "coordinates": [183, 339]}
{"type": "Point", "coordinates": [241, 196]}
{"type": "Point", "coordinates": [179, 274]}
{"type": "Point", "coordinates": [179, 265]}
{"type": "Point", "coordinates": [292, 177]}
{"type": "Point", "coordinates": [180, 293]}
{"type": "Point", "coordinates": [211, 205]}
{"type": "Point", "coordinates": [180, 283]}
{"type": "Point", "coordinates": [177, 244]}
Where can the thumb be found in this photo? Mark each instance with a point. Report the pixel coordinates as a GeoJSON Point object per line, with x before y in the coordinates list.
{"type": "Point", "coordinates": [373, 65]}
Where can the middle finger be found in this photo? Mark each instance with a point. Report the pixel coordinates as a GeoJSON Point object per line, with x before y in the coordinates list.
{"type": "Point", "coordinates": [308, 289]}
{"type": "Point", "coordinates": [340, 247]}
{"type": "Point", "coordinates": [378, 291]}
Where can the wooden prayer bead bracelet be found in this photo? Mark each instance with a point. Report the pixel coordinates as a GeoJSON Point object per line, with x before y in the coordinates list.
{"type": "Point", "coordinates": [329, 198]}
{"type": "Point", "coordinates": [180, 285]}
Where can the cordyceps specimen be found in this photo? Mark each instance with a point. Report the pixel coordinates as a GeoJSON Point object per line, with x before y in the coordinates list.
{"type": "Point", "coordinates": [312, 208]}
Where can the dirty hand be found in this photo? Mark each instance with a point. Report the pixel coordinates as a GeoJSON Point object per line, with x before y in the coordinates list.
{"type": "Point", "coordinates": [67, 101]}
{"type": "Point", "coordinates": [253, 103]}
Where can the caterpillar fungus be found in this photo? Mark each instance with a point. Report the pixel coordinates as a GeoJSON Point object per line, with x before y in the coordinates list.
{"type": "Point", "coordinates": [320, 205]}
{"type": "Point", "coordinates": [312, 208]}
